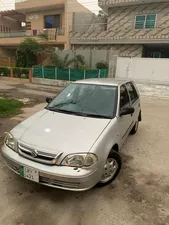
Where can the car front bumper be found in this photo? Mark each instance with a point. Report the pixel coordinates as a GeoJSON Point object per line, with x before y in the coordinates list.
{"type": "Point", "coordinates": [62, 177]}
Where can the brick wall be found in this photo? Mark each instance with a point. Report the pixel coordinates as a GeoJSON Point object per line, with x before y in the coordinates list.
{"type": "Point", "coordinates": [120, 50]}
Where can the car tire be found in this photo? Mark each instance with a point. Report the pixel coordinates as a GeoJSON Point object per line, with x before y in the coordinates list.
{"type": "Point", "coordinates": [113, 161]}
{"type": "Point", "coordinates": [135, 128]}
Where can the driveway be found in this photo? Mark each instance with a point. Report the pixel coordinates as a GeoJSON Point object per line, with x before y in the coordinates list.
{"type": "Point", "coordinates": [22, 89]}
{"type": "Point", "coordinates": [139, 196]}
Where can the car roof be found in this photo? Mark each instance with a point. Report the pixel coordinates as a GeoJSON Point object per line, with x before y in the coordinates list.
{"type": "Point", "coordinates": [104, 81]}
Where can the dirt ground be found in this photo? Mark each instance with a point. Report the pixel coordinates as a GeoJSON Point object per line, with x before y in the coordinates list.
{"type": "Point", "coordinates": [139, 196]}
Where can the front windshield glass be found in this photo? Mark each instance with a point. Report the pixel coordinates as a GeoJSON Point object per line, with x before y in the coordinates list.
{"type": "Point", "coordinates": [86, 100]}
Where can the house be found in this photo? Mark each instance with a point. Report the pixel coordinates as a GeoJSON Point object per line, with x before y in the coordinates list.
{"type": "Point", "coordinates": [133, 28]}
{"type": "Point", "coordinates": [8, 24]}
{"type": "Point", "coordinates": [31, 18]}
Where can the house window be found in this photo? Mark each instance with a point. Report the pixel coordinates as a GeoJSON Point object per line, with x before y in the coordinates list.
{"type": "Point", "coordinates": [52, 21]}
{"type": "Point", "coordinates": [145, 21]}
{"type": "Point", "coordinates": [28, 25]}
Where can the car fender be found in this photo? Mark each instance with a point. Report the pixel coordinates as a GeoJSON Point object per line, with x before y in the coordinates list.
{"type": "Point", "coordinates": [104, 144]}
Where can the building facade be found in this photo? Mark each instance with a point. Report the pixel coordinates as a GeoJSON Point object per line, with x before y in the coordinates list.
{"type": "Point", "coordinates": [7, 25]}
{"type": "Point", "coordinates": [134, 28]}
{"type": "Point", "coordinates": [48, 19]}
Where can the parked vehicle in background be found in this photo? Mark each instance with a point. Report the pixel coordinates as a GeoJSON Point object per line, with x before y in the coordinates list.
{"type": "Point", "coordinates": [74, 143]}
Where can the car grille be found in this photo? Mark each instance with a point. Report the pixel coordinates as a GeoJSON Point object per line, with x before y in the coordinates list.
{"type": "Point", "coordinates": [57, 183]}
{"type": "Point", "coordinates": [38, 156]}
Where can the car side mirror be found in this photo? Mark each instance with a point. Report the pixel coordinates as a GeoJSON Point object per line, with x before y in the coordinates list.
{"type": "Point", "coordinates": [48, 100]}
{"type": "Point", "coordinates": [127, 111]}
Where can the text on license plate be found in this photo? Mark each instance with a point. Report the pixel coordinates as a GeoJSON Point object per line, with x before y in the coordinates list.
{"type": "Point", "coordinates": [29, 173]}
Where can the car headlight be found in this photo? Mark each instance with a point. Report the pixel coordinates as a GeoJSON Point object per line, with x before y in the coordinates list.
{"type": "Point", "coordinates": [80, 160]}
{"type": "Point", "coordinates": [10, 142]}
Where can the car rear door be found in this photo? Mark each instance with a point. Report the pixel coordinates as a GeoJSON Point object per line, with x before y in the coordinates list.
{"type": "Point", "coordinates": [134, 99]}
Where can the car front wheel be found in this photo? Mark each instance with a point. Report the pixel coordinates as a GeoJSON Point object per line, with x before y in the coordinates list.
{"type": "Point", "coordinates": [111, 169]}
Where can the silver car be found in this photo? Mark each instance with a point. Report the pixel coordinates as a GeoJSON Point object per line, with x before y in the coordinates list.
{"type": "Point", "coordinates": [74, 143]}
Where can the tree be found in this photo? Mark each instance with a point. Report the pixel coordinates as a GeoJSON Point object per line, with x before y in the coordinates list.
{"type": "Point", "coordinates": [44, 36]}
{"type": "Point", "coordinates": [78, 61]}
{"type": "Point", "coordinates": [101, 65]}
{"type": "Point", "coordinates": [27, 52]}
{"type": "Point", "coordinates": [60, 63]}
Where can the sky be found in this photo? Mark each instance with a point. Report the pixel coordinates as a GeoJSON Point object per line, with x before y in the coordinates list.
{"type": "Point", "coordinates": [90, 4]}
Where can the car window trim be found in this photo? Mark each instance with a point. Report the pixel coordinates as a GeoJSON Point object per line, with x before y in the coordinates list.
{"type": "Point", "coordinates": [127, 93]}
{"type": "Point", "coordinates": [132, 102]}
{"type": "Point", "coordinates": [114, 113]}
{"type": "Point", "coordinates": [118, 105]}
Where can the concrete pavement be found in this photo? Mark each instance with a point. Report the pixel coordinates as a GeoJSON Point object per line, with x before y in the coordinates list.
{"type": "Point", "coordinates": [139, 196]}
{"type": "Point", "coordinates": [44, 90]}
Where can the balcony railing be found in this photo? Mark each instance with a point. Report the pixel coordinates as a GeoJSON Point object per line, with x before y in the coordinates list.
{"type": "Point", "coordinates": [16, 34]}
{"type": "Point", "coordinates": [60, 31]}
{"type": "Point", "coordinates": [51, 33]}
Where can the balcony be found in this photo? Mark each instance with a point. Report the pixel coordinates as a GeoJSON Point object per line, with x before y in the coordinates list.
{"type": "Point", "coordinates": [13, 38]}
{"type": "Point", "coordinates": [32, 5]}
{"type": "Point", "coordinates": [120, 34]}
{"type": "Point", "coordinates": [118, 3]}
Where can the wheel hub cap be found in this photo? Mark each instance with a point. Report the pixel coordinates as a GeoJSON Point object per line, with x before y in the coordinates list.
{"type": "Point", "coordinates": [110, 169]}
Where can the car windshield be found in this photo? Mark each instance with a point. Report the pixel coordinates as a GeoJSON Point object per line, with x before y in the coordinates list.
{"type": "Point", "coordinates": [86, 100]}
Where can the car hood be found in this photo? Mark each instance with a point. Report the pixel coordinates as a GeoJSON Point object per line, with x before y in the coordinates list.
{"type": "Point", "coordinates": [52, 132]}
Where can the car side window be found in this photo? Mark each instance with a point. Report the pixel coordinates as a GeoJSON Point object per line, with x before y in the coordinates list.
{"type": "Point", "coordinates": [124, 97]}
{"type": "Point", "coordinates": [132, 92]}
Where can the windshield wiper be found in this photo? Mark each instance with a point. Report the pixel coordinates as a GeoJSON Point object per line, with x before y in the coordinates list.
{"type": "Point", "coordinates": [98, 116]}
{"type": "Point", "coordinates": [54, 109]}
{"type": "Point", "coordinates": [66, 111]}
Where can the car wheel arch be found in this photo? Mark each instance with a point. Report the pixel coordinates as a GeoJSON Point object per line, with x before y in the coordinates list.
{"type": "Point", "coordinates": [115, 148]}
{"type": "Point", "coordinates": [140, 117]}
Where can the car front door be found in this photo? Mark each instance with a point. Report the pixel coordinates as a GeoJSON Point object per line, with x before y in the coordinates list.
{"type": "Point", "coordinates": [126, 121]}
{"type": "Point", "coordinates": [134, 100]}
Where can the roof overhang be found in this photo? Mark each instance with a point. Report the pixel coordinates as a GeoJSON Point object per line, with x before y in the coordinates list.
{"type": "Point", "coordinates": [120, 41]}
{"type": "Point", "coordinates": [13, 14]}
{"type": "Point", "coordinates": [121, 3]}
{"type": "Point", "coordinates": [41, 8]}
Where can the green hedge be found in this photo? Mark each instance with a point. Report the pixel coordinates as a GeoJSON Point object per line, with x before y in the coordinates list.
{"type": "Point", "coordinates": [18, 72]}
{"type": "Point", "coordinates": [5, 71]}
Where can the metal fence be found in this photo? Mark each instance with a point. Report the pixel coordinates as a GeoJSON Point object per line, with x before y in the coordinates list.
{"type": "Point", "coordinates": [68, 74]}
{"type": "Point", "coordinates": [33, 33]}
